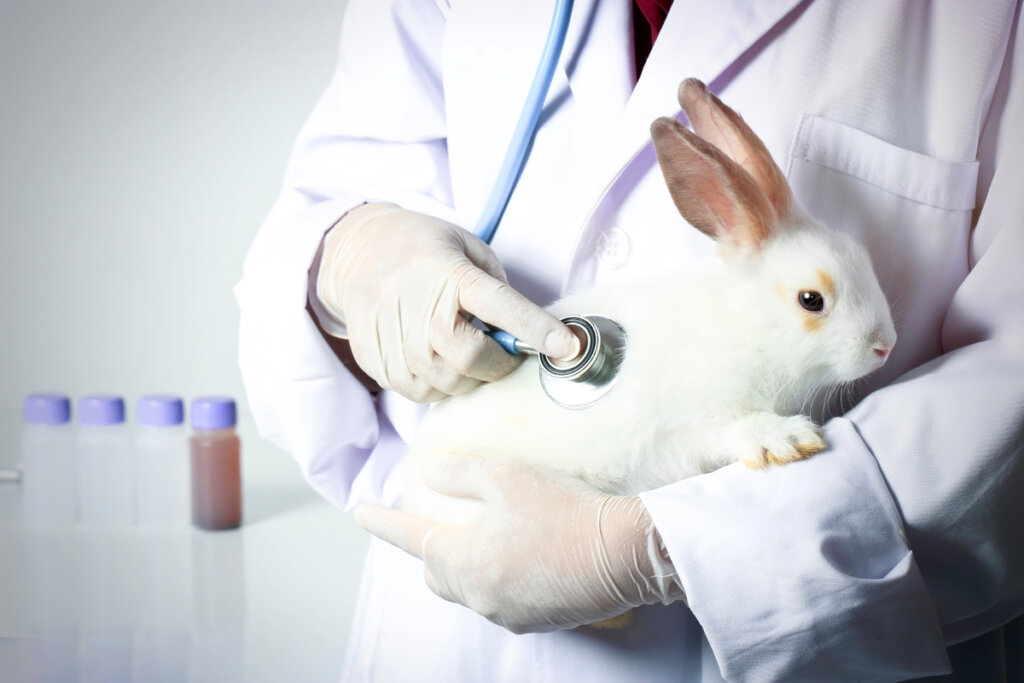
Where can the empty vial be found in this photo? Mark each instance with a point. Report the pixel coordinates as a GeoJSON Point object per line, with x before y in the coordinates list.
{"type": "Point", "coordinates": [49, 488]}
{"type": "Point", "coordinates": [106, 472]}
{"type": "Point", "coordinates": [162, 463]}
{"type": "Point", "coordinates": [216, 464]}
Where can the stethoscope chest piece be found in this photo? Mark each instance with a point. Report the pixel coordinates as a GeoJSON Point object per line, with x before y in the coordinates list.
{"type": "Point", "coordinates": [583, 380]}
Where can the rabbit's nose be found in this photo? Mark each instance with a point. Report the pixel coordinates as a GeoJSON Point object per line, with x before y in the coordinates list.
{"type": "Point", "coordinates": [883, 345]}
{"type": "Point", "coordinates": [882, 342]}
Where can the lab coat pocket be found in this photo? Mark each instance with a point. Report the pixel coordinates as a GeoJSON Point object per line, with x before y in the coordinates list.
{"type": "Point", "coordinates": [911, 211]}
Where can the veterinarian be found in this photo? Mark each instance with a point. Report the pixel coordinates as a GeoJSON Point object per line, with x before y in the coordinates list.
{"type": "Point", "coordinates": [895, 554]}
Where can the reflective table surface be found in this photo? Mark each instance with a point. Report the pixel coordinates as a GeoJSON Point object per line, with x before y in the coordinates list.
{"type": "Point", "coordinates": [271, 601]}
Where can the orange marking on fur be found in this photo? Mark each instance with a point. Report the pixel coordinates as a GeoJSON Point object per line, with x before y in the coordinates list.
{"type": "Point", "coordinates": [827, 288]}
{"type": "Point", "coordinates": [828, 285]}
{"type": "Point", "coordinates": [756, 464]}
{"type": "Point", "coordinates": [806, 450]}
{"type": "Point", "coordinates": [812, 322]}
{"type": "Point", "coordinates": [801, 451]}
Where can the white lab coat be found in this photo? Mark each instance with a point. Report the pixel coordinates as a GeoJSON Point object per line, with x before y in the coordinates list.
{"type": "Point", "coordinates": [898, 122]}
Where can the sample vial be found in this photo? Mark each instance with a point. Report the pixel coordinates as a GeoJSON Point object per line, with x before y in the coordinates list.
{"type": "Point", "coordinates": [49, 503]}
{"type": "Point", "coordinates": [162, 630]}
{"type": "Point", "coordinates": [49, 484]}
{"type": "Point", "coordinates": [162, 460]}
{"type": "Point", "coordinates": [216, 464]}
{"type": "Point", "coordinates": [106, 473]}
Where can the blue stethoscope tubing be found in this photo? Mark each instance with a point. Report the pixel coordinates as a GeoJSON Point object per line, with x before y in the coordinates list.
{"type": "Point", "coordinates": [512, 164]}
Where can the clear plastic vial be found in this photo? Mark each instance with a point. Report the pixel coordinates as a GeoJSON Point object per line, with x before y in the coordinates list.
{"type": "Point", "coordinates": [162, 463]}
{"type": "Point", "coordinates": [106, 473]}
{"type": "Point", "coordinates": [161, 632]}
{"type": "Point", "coordinates": [49, 484]}
{"type": "Point", "coordinates": [216, 464]}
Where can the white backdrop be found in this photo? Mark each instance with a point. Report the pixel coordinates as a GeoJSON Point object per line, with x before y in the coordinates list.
{"type": "Point", "coordinates": [141, 145]}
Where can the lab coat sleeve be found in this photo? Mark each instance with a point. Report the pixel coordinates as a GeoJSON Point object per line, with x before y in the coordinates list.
{"type": "Point", "coordinates": [865, 560]}
{"type": "Point", "coordinates": [377, 133]}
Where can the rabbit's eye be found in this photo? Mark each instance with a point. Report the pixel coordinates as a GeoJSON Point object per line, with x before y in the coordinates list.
{"type": "Point", "coordinates": [811, 301]}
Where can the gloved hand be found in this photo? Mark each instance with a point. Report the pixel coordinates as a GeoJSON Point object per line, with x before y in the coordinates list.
{"type": "Point", "coordinates": [547, 552]}
{"type": "Point", "coordinates": [406, 286]}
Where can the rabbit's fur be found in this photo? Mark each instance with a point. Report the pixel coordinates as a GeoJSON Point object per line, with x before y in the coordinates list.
{"type": "Point", "coordinates": [720, 361]}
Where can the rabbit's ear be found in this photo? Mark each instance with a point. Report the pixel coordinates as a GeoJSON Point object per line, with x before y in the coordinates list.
{"type": "Point", "coordinates": [725, 129]}
{"type": "Point", "coordinates": [710, 190]}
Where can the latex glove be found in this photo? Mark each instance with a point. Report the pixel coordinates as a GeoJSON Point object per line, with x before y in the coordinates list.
{"type": "Point", "coordinates": [547, 552]}
{"type": "Point", "coordinates": [406, 286]}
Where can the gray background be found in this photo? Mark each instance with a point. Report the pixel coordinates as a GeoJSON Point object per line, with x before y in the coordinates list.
{"type": "Point", "coordinates": [141, 145]}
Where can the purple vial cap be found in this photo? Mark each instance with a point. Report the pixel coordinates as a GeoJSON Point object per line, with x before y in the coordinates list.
{"type": "Point", "coordinates": [46, 409]}
{"type": "Point", "coordinates": [160, 411]}
{"type": "Point", "coordinates": [100, 410]}
{"type": "Point", "coordinates": [213, 412]}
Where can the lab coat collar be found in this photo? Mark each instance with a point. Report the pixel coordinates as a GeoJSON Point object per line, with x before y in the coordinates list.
{"type": "Point", "coordinates": [597, 60]}
{"type": "Point", "coordinates": [699, 38]}
{"type": "Point", "coordinates": [706, 40]}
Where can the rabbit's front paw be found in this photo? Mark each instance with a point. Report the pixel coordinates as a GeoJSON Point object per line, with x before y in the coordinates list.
{"type": "Point", "coordinates": [776, 439]}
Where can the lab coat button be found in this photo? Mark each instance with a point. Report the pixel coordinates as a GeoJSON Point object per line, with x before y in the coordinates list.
{"type": "Point", "coordinates": [612, 248]}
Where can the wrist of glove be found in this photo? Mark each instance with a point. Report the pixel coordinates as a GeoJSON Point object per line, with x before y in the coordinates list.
{"type": "Point", "coordinates": [545, 552]}
{"type": "Point", "coordinates": [404, 287]}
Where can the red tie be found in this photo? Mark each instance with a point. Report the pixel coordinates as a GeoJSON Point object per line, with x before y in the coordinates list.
{"type": "Point", "coordinates": [648, 17]}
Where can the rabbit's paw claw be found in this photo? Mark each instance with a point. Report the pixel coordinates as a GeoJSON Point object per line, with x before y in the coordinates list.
{"type": "Point", "coordinates": [790, 439]}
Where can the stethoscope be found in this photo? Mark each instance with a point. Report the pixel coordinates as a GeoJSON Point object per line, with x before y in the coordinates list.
{"type": "Point", "coordinates": [579, 382]}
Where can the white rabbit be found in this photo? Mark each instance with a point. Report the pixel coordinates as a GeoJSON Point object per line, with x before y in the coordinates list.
{"type": "Point", "coordinates": [719, 363]}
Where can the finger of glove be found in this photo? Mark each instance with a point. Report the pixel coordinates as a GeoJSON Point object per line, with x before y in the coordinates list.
{"type": "Point", "coordinates": [419, 391]}
{"type": "Point", "coordinates": [383, 352]}
{"type": "Point", "coordinates": [404, 381]}
{"type": "Point", "coordinates": [438, 584]}
{"type": "Point", "coordinates": [498, 304]}
{"type": "Point", "coordinates": [398, 347]}
{"type": "Point", "coordinates": [367, 357]}
{"type": "Point", "coordinates": [392, 376]}
{"type": "Point", "coordinates": [442, 377]}
{"type": "Point", "coordinates": [465, 476]}
{"type": "Point", "coordinates": [452, 574]}
{"type": "Point", "coordinates": [548, 335]}
{"type": "Point", "coordinates": [370, 338]}
{"type": "Point", "coordinates": [436, 574]}
{"type": "Point", "coordinates": [400, 529]}
{"type": "Point", "coordinates": [426, 362]}
{"type": "Point", "coordinates": [445, 584]}
{"type": "Point", "coordinates": [468, 351]}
